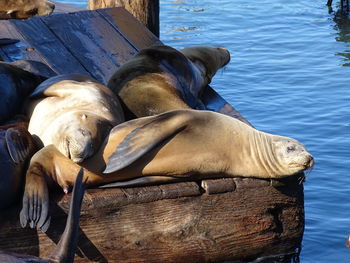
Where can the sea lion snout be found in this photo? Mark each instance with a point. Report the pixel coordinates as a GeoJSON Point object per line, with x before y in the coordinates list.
{"type": "Point", "coordinates": [46, 9]}
{"type": "Point", "coordinates": [310, 162]}
{"type": "Point", "coordinates": [226, 55]}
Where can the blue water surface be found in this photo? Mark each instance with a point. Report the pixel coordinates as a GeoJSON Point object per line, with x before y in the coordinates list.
{"type": "Point", "coordinates": [289, 74]}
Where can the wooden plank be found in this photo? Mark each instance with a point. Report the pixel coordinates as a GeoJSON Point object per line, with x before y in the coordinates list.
{"type": "Point", "coordinates": [92, 41]}
{"type": "Point", "coordinates": [53, 52]}
{"type": "Point", "coordinates": [20, 50]}
{"type": "Point", "coordinates": [146, 11]}
{"type": "Point", "coordinates": [214, 102]}
{"type": "Point", "coordinates": [129, 225]}
{"type": "Point", "coordinates": [132, 29]}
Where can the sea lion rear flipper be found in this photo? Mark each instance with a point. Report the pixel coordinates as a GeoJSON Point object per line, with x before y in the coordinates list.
{"type": "Point", "coordinates": [35, 204]}
{"type": "Point", "coordinates": [145, 138]}
{"type": "Point", "coordinates": [64, 252]}
{"type": "Point", "coordinates": [18, 145]}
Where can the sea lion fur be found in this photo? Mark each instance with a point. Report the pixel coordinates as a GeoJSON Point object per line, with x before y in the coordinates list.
{"type": "Point", "coordinates": [180, 144]}
{"type": "Point", "coordinates": [161, 78]}
{"type": "Point", "coordinates": [21, 9]}
{"type": "Point", "coordinates": [74, 112]}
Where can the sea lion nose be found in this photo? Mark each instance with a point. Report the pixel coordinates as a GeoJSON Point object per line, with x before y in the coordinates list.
{"type": "Point", "coordinates": [226, 56]}
{"type": "Point", "coordinates": [311, 161]}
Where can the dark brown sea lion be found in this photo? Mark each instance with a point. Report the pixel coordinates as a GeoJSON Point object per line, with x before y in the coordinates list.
{"type": "Point", "coordinates": [174, 145]}
{"type": "Point", "coordinates": [64, 252]}
{"type": "Point", "coordinates": [161, 78]}
{"type": "Point", "coordinates": [15, 85]}
{"type": "Point", "coordinates": [25, 8]}
{"type": "Point", "coordinates": [16, 148]}
{"type": "Point", "coordinates": [74, 112]}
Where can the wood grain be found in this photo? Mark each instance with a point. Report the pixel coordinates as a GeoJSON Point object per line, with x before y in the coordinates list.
{"type": "Point", "coordinates": [134, 31]}
{"type": "Point", "coordinates": [174, 223]}
{"type": "Point", "coordinates": [146, 11]}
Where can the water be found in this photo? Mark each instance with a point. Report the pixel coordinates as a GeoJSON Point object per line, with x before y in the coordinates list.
{"type": "Point", "coordinates": [289, 74]}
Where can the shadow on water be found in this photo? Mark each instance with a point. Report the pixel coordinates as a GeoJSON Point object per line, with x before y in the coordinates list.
{"type": "Point", "coordinates": [342, 26]}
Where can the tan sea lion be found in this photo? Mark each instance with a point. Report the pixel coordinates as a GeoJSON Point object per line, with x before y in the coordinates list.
{"type": "Point", "coordinates": [16, 148]}
{"type": "Point", "coordinates": [15, 85]}
{"type": "Point", "coordinates": [161, 78]}
{"type": "Point", "coordinates": [64, 252]}
{"type": "Point", "coordinates": [174, 145]}
{"type": "Point", "coordinates": [21, 9]}
{"type": "Point", "coordinates": [74, 112]}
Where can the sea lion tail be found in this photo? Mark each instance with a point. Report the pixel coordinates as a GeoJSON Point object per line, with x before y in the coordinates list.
{"type": "Point", "coordinates": [64, 252]}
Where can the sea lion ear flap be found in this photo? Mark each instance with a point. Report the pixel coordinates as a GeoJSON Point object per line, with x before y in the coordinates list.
{"type": "Point", "coordinates": [18, 145]}
{"type": "Point", "coordinates": [144, 138]}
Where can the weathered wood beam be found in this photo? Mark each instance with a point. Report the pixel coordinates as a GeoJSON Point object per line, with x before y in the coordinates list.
{"type": "Point", "coordinates": [147, 11]}
{"type": "Point", "coordinates": [228, 219]}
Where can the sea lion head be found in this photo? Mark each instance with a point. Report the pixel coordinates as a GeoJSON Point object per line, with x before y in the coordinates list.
{"type": "Point", "coordinates": [291, 155]}
{"type": "Point", "coordinates": [28, 9]}
{"type": "Point", "coordinates": [82, 135]}
{"type": "Point", "coordinates": [45, 8]}
{"type": "Point", "coordinates": [212, 58]}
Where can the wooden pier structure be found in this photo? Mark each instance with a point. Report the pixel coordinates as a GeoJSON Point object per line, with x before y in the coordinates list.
{"type": "Point", "coordinates": [218, 220]}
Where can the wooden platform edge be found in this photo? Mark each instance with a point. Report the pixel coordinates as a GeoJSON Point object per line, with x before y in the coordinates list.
{"type": "Point", "coordinates": [226, 219]}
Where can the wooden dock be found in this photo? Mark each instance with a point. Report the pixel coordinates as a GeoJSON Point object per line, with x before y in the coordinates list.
{"type": "Point", "coordinates": [203, 221]}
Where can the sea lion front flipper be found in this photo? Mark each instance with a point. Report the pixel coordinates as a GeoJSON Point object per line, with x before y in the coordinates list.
{"type": "Point", "coordinates": [35, 205]}
{"type": "Point", "coordinates": [18, 145]}
{"type": "Point", "coordinates": [146, 137]}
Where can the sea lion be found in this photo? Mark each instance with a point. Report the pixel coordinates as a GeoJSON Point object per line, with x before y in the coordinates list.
{"type": "Point", "coordinates": [16, 148]}
{"type": "Point", "coordinates": [174, 145]}
{"type": "Point", "coordinates": [64, 252]}
{"type": "Point", "coordinates": [161, 78]}
{"type": "Point", "coordinates": [74, 112]}
{"type": "Point", "coordinates": [21, 9]}
{"type": "Point", "coordinates": [15, 85]}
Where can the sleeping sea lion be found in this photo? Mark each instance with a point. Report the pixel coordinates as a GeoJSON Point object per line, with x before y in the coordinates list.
{"type": "Point", "coordinates": [21, 9]}
{"type": "Point", "coordinates": [15, 85]}
{"type": "Point", "coordinates": [161, 78]}
{"type": "Point", "coordinates": [174, 145]}
{"type": "Point", "coordinates": [64, 252]}
{"type": "Point", "coordinates": [74, 112]}
{"type": "Point", "coordinates": [16, 148]}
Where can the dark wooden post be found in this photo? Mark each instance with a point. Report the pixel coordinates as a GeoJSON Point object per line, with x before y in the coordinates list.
{"type": "Point", "coordinates": [146, 11]}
